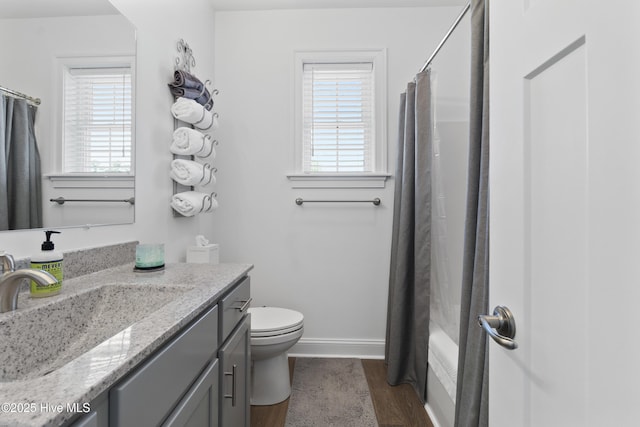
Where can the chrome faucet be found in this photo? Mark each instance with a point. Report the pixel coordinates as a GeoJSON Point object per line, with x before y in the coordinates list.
{"type": "Point", "coordinates": [11, 279]}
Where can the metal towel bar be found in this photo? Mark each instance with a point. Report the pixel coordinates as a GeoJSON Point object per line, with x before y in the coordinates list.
{"type": "Point", "coordinates": [62, 200]}
{"type": "Point", "coordinates": [300, 201]}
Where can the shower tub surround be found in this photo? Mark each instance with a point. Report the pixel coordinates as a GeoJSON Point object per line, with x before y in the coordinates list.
{"type": "Point", "coordinates": [93, 351]}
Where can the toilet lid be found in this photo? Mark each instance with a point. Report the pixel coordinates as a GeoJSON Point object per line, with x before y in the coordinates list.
{"type": "Point", "coordinates": [269, 321]}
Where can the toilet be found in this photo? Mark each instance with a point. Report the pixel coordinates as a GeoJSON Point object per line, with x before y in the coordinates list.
{"type": "Point", "coordinates": [274, 331]}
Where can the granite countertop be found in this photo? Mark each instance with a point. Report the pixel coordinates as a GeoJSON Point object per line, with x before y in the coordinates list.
{"type": "Point", "coordinates": [44, 401]}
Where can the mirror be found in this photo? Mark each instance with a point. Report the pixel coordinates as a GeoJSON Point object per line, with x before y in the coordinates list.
{"type": "Point", "coordinates": [45, 37]}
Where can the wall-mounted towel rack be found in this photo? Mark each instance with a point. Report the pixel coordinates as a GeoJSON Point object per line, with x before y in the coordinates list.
{"type": "Point", "coordinates": [190, 104]}
{"type": "Point", "coordinates": [376, 201]}
{"type": "Point", "coordinates": [62, 200]}
{"type": "Point", "coordinates": [186, 60]}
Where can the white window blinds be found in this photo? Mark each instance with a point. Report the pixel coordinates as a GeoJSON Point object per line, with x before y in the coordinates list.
{"type": "Point", "coordinates": [97, 120]}
{"type": "Point", "coordinates": [338, 118]}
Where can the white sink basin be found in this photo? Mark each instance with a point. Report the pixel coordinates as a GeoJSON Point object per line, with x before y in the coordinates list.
{"type": "Point", "coordinates": [36, 341]}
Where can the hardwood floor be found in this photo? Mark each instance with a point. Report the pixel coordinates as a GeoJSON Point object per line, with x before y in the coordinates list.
{"type": "Point", "coordinates": [395, 406]}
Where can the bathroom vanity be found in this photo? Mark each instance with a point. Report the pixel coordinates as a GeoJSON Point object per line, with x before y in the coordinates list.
{"type": "Point", "coordinates": [185, 363]}
{"type": "Point", "coordinates": [212, 378]}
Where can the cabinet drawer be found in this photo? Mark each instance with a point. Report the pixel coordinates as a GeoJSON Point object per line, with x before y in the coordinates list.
{"type": "Point", "coordinates": [233, 307]}
{"type": "Point", "coordinates": [148, 395]}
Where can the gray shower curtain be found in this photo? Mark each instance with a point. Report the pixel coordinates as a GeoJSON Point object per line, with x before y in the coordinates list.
{"type": "Point", "coordinates": [20, 177]}
{"type": "Point", "coordinates": [407, 335]}
{"type": "Point", "coordinates": [472, 396]}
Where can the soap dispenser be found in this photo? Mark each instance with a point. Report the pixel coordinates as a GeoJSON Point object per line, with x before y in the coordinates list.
{"type": "Point", "coordinates": [50, 261]}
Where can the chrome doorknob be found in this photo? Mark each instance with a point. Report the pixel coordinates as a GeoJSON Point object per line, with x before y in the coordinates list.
{"type": "Point", "coordinates": [501, 326]}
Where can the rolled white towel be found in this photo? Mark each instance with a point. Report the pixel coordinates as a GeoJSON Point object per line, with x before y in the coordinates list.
{"type": "Point", "coordinates": [190, 142]}
{"type": "Point", "coordinates": [188, 172]}
{"type": "Point", "coordinates": [190, 203]}
{"type": "Point", "coordinates": [189, 111]}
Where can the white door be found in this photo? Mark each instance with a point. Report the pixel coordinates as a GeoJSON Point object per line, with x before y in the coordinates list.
{"type": "Point", "coordinates": [565, 211]}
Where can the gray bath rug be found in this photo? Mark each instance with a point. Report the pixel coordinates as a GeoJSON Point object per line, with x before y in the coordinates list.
{"type": "Point", "coordinates": [330, 393]}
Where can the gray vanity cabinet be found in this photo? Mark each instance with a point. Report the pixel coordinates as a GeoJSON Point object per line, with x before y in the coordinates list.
{"type": "Point", "coordinates": [199, 378]}
{"type": "Point", "coordinates": [200, 406]}
{"type": "Point", "coordinates": [150, 395]}
{"type": "Point", "coordinates": [235, 359]}
{"type": "Point", "coordinates": [99, 414]}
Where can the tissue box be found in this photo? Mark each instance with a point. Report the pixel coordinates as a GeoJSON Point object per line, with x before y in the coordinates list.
{"type": "Point", "coordinates": [208, 254]}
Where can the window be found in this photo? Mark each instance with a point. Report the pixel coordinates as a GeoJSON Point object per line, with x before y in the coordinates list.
{"type": "Point", "coordinates": [97, 118]}
{"type": "Point", "coordinates": [340, 119]}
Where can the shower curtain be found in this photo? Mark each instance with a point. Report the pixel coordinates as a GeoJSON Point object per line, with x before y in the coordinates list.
{"type": "Point", "coordinates": [409, 279]}
{"type": "Point", "coordinates": [472, 397]}
{"type": "Point", "coordinates": [20, 186]}
{"type": "Point", "coordinates": [407, 334]}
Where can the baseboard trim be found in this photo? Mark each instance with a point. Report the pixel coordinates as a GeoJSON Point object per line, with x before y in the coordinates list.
{"type": "Point", "coordinates": [359, 349]}
{"type": "Point", "coordinates": [432, 416]}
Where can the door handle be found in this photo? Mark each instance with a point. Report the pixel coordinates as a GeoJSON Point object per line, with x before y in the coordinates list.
{"type": "Point", "coordinates": [501, 326]}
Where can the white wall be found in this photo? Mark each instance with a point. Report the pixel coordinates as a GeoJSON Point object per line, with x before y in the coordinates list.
{"type": "Point", "coordinates": [159, 29]}
{"type": "Point", "coordinates": [328, 261]}
{"type": "Point", "coordinates": [331, 262]}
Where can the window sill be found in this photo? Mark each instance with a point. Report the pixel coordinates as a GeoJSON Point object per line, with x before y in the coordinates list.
{"type": "Point", "coordinates": [365, 180]}
{"type": "Point", "coordinates": [91, 180]}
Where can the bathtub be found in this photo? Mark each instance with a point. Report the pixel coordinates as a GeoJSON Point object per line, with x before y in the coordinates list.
{"type": "Point", "coordinates": [442, 374]}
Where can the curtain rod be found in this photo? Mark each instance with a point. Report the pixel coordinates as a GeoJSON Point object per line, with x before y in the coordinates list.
{"type": "Point", "coordinates": [21, 95]}
{"type": "Point", "coordinates": [446, 36]}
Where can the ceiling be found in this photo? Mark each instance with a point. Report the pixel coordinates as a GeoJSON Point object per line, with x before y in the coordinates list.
{"type": "Point", "coordinates": [51, 8]}
{"type": "Point", "coordinates": [324, 4]}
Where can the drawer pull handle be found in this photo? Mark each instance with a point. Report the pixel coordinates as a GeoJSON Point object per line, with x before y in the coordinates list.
{"type": "Point", "coordinates": [232, 396]}
{"type": "Point", "coordinates": [245, 305]}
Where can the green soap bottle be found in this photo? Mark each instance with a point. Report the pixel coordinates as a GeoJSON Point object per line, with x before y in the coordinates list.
{"type": "Point", "coordinates": [50, 261]}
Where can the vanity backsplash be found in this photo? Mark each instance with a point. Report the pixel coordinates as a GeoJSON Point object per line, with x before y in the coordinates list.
{"type": "Point", "coordinates": [89, 260]}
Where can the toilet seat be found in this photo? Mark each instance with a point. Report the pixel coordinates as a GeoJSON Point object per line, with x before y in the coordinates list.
{"type": "Point", "coordinates": [274, 321]}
